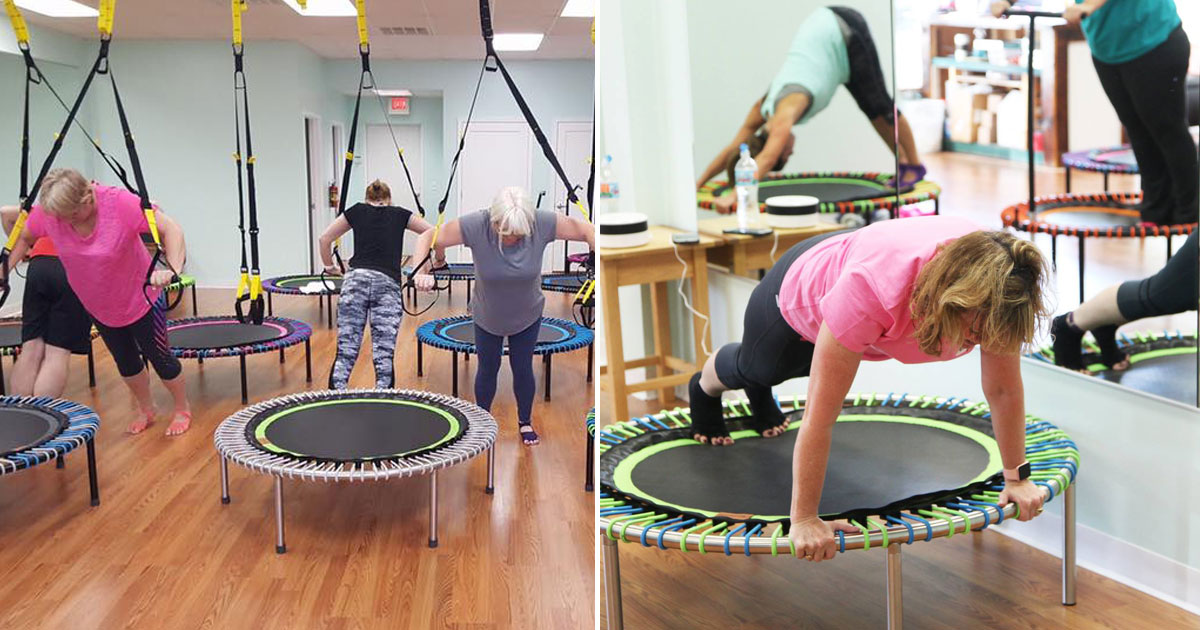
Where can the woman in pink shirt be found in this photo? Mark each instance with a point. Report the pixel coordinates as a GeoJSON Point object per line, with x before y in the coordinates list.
{"type": "Point", "coordinates": [97, 230]}
{"type": "Point", "coordinates": [915, 290]}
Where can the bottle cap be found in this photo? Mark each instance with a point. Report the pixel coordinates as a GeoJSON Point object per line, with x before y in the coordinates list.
{"type": "Point", "coordinates": [744, 147]}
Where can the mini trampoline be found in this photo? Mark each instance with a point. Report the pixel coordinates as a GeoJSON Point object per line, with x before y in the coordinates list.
{"type": "Point", "coordinates": [589, 457]}
{"type": "Point", "coordinates": [840, 192]}
{"type": "Point", "coordinates": [355, 435]}
{"type": "Point", "coordinates": [35, 430]}
{"type": "Point", "coordinates": [902, 469]}
{"type": "Point", "coordinates": [1163, 364]}
{"type": "Point", "coordinates": [326, 287]}
{"type": "Point", "coordinates": [563, 282]}
{"type": "Point", "coordinates": [1096, 215]}
{"type": "Point", "coordinates": [224, 336]}
{"type": "Point", "coordinates": [10, 346]}
{"type": "Point", "coordinates": [185, 282]}
{"type": "Point", "coordinates": [449, 273]}
{"type": "Point", "coordinates": [457, 334]}
{"type": "Point", "coordinates": [1110, 160]}
{"type": "Point", "coordinates": [575, 283]}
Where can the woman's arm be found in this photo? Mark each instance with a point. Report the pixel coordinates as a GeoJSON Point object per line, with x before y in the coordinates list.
{"type": "Point", "coordinates": [750, 126]}
{"type": "Point", "coordinates": [1005, 395]}
{"type": "Point", "coordinates": [8, 216]}
{"type": "Point", "coordinates": [572, 229]}
{"type": "Point", "coordinates": [833, 369]}
{"type": "Point", "coordinates": [173, 243]}
{"type": "Point", "coordinates": [448, 236]}
{"type": "Point", "coordinates": [419, 226]}
{"type": "Point", "coordinates": [787, 113]}
{"type": "Point", "coordinates": [332, 233]}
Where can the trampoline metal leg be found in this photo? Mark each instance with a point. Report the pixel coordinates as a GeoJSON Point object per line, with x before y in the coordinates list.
{"type": "Point", "coordinates": [280, 546]}
{"type": "Point", "coordinates": [895, 604]}
{"type": "Point", "coordinates": [308, 360]}
{"type": "Point", "coordinates": [1068, 566]}
{"type": "Point", "coordinates": [194, 308]}
{"type": "Point", "coordinates": [1081, 250]}
{"type": "Point", "coordinates": [224, 481]}
{"type": "Point", "coordinates": [1068, 169]}
{"type": "Point", "coordinates": [91, 367]}
{"type": "Point", "coordinates": [270, 305]}
{"type": "Point", "coordinates": [3, 389]}
{"type": "Point", "coordinates": [1105, 181]}
{"type": "Point", "coordinates": [587, 479]}
{"type": "Point", "coordinates": [281, 357]}
{"type": "Point", "coordinates": [1054, 252]}
{"type": "Point", "coordinates": [60, 462]}
{"type": "Point", "coordinates": [242, 361]}
{"type": "Point", "coordinates": [420, 359]}
{"type": "Point", "coordinates": [591, 359]}
{"type": "Point", "coordinates": [491, 481]}
{"type": "Point", "coordinates": [454, 371]}
{"type": "Point", "coordinates": [93, 483]}
{"type": "Point", "coordinates": [547, 371]}
{"type": "Point", "coordinates": [1169, 246]}
{"type": "Point", "coordinates": [612, 583]}
{"type": "Point", "coordinates": [433, 506]}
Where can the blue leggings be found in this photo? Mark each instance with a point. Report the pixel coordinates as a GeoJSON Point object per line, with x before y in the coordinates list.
{"type": "Point", "coordinates": [520, 359]}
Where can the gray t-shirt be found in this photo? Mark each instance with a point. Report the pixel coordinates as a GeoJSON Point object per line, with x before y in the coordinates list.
{"type": "Point", "coordinates": [508, 284]}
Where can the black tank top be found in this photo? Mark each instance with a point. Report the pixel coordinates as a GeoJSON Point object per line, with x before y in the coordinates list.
{"type": "Point", "coordinates": [378, 237]}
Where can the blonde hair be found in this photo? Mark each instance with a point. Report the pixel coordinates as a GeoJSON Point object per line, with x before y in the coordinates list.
{"type": "Point", "coordinates": [64, 190]}
{"type": "Point", "coordinates": [994, 277]}
{"type": "Point", "coordinates": [512, 212]}
{"type": "Point", "coordinates": [379, 192]}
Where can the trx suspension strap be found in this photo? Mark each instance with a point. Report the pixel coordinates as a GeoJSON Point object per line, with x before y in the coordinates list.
{"type": "Point", "coordinates": [100, 66]}
{"type": "Point", "coordinates": [365, 78]}
{"type": "Point", "coordinates": [250, 282]}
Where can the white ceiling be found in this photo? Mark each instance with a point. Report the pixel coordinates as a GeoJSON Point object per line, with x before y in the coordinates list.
{"type": "Point", "coordinates": [453, 24]}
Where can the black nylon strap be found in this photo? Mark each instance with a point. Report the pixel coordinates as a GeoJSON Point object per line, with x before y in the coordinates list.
{"type": "Point", "coordinates": [250, 270]}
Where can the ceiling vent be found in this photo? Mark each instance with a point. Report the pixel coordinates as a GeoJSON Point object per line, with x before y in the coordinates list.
{"type": "Point", "coordinates": [405, 31]}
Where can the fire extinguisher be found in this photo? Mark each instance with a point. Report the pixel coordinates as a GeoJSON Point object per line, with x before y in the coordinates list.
{"type": "Point", "coordinates": [333, 195]}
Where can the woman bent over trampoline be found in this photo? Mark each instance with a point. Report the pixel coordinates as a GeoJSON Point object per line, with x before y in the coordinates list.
{"type": "Point", "coordinates": [1172, 290]}
{"type": "Point", "coordinates": [919, 290]}
{"type": "Point", "coordinates": [832, 47]}
{"type": "Point", "coordinates": [97, 230]}
{"type": "Point", "coordinates": [53, 322]}
{"type": "Point", "coordinates": [371, 290]}
{"type": "Point", "coordinates": [507, 241]}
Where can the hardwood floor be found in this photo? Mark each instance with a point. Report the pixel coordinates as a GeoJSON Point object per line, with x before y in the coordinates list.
{"type": "Point", "coordinates": [162, 552]}
{"type": "Point", "coordinates": [980, 580]}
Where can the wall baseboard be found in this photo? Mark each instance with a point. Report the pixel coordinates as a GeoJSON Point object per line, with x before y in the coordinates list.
{"type": "Point", "coordinates": [1151, 573]}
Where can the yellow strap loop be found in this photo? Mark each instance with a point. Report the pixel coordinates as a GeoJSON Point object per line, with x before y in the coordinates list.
{"type": "Point", "coordinates": [16, 231]}
{"type": "Point", "coordinates": [363, 33]}
{"type": "Point", "coordinates": [255, 287]}
{"type": "Point", "coordinates": [349, 155]}
{"type": "Point", "coordinates": [583, 210]}
{"type": "Point", "coordinates": [18, 22]}
{"type": "Point", "coordinates": [153, 223]}
{"type": "Point", "coordinates": [243, 282]}
{"type": "Point", "coordinates": [104, 24]}
{"type": "Point", "coordinates": [238, 6]}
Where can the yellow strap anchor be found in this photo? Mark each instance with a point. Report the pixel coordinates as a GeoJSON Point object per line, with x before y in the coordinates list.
{"type": "Point", "coordinates": [104, 24]}
{"type": "Point", "coordinates": [18, 22]}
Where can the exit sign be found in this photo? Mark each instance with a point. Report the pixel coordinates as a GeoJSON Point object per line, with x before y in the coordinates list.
{"type": "Point", "coordinates": [398, 105]}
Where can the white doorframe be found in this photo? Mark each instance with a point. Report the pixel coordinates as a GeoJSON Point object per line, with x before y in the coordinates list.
{"type": "Point", "coordinates": [313, 143]}
{"type": "Point", "coordinates": [560, 197]}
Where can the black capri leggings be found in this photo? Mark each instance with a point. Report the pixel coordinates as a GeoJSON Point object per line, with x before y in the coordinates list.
{"type": "Point", "coordinates": [866, 84]}
{"type": "Point", "coordinates": [142, 341]}
{"type": "Point", "coordinates": [771, 351]}
{"type": "Point", "coordinates": [1172, 290]}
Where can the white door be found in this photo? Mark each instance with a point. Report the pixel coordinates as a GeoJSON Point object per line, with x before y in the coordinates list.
{"type": "Point", "coordinates": [382, 163]}
{"type": "Point", "coordinates": [318, 197]}
{"type": "Point", "coordinates": [496, 154]}
{"type": "Point", "coordinates": [573, 146]}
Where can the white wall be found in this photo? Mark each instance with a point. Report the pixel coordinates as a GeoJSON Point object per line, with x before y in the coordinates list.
{"type": "Point", "coordinates": [736, 50]}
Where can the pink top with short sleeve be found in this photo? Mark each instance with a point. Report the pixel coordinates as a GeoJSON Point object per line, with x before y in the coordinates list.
{"type": "Point", "coordinates": [859, 284]}
{"type": "Point", "coordinates": [106, 268]}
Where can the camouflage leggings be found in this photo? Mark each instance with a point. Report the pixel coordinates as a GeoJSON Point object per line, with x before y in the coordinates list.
{"type": "Point", "coordinates": [374, 297]}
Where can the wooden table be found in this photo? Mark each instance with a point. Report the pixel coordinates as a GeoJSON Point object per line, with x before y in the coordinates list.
{"type": "Point", "coordinates": [747, 255]}
{"type": "Point", "coordinates": [654, 264]}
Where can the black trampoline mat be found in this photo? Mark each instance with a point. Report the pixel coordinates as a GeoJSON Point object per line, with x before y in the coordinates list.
{"type": "Point", "coordinates": [464, 332]}
{"type": "Point", "coordinates": [358, 429]}
{"type": "Point", "coordinates": [303, 281]}
{"type": "Point", "coordinates": [1171, 376]}
{"type": "Point", "coordinates": [872, 464]}
{"type": "Point", "coordinates": [22, 428]}
{"type": "Point", "coordinates": [827, 192]}
{"type": "Point", "coordinates": [1087, 218]}
{"type": "Point", "coordinates": [222, 334]}
{"type": "Point", "coordinates": [564, 281]}
{"type": "Point", "coordinates": [10, 335]}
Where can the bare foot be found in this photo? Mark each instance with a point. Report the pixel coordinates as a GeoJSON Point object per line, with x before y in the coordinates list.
{"type": "Point", "coordinates": [720, 440]}
{"type": "Point", "coordinates": [142, 423]}
{"type": "Point", "coordinates": [777, 430]}
{"type": "Point", "coordinates": [528, 436]}
{"type": "Point", "coordinates": [181, 423]}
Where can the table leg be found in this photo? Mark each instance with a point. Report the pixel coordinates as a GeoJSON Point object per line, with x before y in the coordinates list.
{"type": "Point", "coordinates": [611, 304]}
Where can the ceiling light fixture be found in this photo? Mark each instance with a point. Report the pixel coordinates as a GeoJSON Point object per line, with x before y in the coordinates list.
{"type": "Point", "coordinates": [324, 8]}
{"type": "Point", "coordinates": [517, 42]}
{"type": "Point", "coordinates": [58, 8]}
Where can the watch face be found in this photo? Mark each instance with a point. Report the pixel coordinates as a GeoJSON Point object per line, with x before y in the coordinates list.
{"type": "Point", "coordinates": [1023, 471]}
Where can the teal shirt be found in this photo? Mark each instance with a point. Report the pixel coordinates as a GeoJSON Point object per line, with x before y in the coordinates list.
{"type": "Point", "coordinates": [817, 62]}
{"type": "Point", "coordinates": [1123, 30]}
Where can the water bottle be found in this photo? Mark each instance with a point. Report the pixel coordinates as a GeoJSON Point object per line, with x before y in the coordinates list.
{"type": "Point", "coordinates": [745, 175]}
{"type": "Point", "coordinates": [610, 191]}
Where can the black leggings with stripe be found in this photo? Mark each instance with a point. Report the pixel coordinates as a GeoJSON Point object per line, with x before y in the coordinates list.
{"type": "Point", "coordinates": [143, 341]}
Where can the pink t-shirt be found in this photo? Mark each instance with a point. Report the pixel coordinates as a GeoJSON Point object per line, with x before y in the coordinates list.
{"type": "Point", "coordinates": [106, 268]}
{"type": "Point", "coordinates": [859, 284]}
